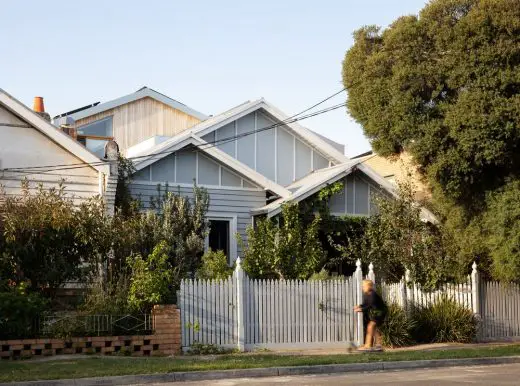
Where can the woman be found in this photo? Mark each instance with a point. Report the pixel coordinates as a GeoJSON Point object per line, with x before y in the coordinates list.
{"type": "Point", "coordinates": [374, 308]}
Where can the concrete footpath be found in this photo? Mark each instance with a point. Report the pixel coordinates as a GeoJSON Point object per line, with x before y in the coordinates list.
{"type": "Point", "coordinates": [272, 372]}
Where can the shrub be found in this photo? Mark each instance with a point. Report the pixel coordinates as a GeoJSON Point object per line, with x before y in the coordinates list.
{"type": "Point", "coordinates": [444, 321]}
{"type": "Point", "coordinates": [208, 349]}
{"type": "Point", "coordinates": [150, 282]}
{"type": "Point", "coordinates": [396, 331]}
{"type": "Point", "coordinates": [214, 266]}
{"type": "Point", "coordinates": [19, 312]}
{"type": "Point", "coordinates": [110, 298]}
{"type": "Point", "coordinates": [325, 275]}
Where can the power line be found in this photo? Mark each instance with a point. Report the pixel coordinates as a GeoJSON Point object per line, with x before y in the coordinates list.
{"type": "Point", "coordinates": [209, 144]}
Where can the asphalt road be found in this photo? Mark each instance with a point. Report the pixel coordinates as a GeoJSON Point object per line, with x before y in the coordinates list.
{"type": "Point", "coordinates": [475, 375]}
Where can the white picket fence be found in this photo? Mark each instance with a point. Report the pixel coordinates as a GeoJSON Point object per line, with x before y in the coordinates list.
{"type": "Point", "coordinates": [248, 313]}
{"type": "Point", "coordinates": [245, 313]}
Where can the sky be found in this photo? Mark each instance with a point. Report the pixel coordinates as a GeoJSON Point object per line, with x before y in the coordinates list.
{"type": "Point", "coordinates": [209, 55]}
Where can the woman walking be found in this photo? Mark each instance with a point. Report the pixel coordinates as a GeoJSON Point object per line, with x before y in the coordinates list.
{"type": "Point", "coordinates": [374, 309]}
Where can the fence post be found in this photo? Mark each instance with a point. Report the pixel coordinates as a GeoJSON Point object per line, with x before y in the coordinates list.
{"type": "Point", "coordinates": [409, 293]}
{"type": "Point", "coordinates": [475, 289]}
{"type": "Point", "coordinates": [359, 296]}
{"type": "Point", "coordinates": [371, 274]}
{"type": "Point", "coordinates": [241, 306]}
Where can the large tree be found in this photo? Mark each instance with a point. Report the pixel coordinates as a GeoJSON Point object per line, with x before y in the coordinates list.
{"type": "Point", "coordinates": [445, 86]}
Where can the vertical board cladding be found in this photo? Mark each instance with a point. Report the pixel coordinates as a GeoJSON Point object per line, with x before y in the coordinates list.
{"type": "Point", "coordinates": [284, 157]}
{"type": "Point", "coordinates": [222, 134]}
{"type": "Point", "coordinates": [139, 120]}
{"type": "Point", "coordinates": [246, 143]}
{"type": "Point", "coordinates": [275, 153]}
{"type": "Point", "coordinates": [356, 198]}
{"type": "Point", "coordinates": [187, 166]}
{"type": "Point", "coordinates": [227, 201]}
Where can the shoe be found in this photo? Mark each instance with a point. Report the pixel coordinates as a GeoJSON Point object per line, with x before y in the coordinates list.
{"type": "Point", "coordinates": [378, 348]}
{"type": "Point", "coordinates": [364, 349]}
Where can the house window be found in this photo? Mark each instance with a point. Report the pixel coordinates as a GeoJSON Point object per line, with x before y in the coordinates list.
{"type": "Point", "coordinates": [221, 236]}
{"type": "Point", "coordinates": [95, 135]}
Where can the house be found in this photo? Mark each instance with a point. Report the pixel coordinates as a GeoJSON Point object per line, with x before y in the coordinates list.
{"type": "Point", "coordinates": [129, 120]}
{"type": "Point", "coordinates": [31, 147]}
{"type": "Point", "coordinates": [396, 169]}
{"type": "Point", "coordinates": [251, 158]}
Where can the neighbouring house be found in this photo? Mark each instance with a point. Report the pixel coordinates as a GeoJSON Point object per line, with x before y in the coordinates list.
{"type": "Point", "coordinates": [396, 169]}
{"type": "Point", "coordinates": [251, 159]}
{"type": "Point", "coordinates": [128, 120]}
{"type": "Point", "coordinates": [32, 148]}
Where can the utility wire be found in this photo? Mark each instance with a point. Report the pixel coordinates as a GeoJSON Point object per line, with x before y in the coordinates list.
{"type": "Point", "coordinates": [209, 144]}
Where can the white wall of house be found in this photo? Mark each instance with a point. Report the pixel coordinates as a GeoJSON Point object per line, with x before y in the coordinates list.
{"type": "Point", "coordinates": [23, 146]}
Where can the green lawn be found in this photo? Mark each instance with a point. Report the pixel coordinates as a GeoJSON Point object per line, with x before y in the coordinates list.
{"type": "Point", "coordinates": [102, 366]}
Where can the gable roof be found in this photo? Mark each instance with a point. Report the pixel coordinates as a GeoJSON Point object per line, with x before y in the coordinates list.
{"type": "Point", "coordinates": [166, 148]}
{"type": "Point", "coordinates": [319, 179]}
{"type": "Point", "coordinates": [314, 140]}
{"type": "Point", "coordinates": [139, 94]}
{"type": "Point", "coordinates": [52, 132]}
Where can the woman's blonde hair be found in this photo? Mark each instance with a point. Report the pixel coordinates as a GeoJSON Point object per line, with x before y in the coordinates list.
{"type": "Point", "coordinates": [369, 283]}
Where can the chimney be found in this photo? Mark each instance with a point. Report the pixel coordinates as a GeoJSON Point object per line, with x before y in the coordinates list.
{"type": "Point", "coordinates": [69, 130]}
{"type": "Point", "coordinates": [39, 108]}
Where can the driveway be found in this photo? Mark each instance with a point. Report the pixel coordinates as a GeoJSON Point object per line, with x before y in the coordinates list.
{"type": "Point", "coordinates": [475, 375]}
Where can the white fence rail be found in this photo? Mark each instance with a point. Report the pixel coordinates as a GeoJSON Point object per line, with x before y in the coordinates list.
{"type": "Point", "coordinates": [247, 313]}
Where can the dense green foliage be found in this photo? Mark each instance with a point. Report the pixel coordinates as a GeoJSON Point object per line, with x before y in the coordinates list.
{"type": "Point", "coordinates": [444, 321]}
{"type": "Point", "coordinates": [285, 248]}
{"type": "Point", "coordinates": [395, 238]}
{"type": "Point", "coordinates": [396, 331]}
{"type": "Point", "coordinates": [445, 86]}
{"type": "Point", "coordinates": [47, 241]}
{"type": "Point", "coordinates": [151, 279]}
{"type": "Point", "coordinates": [214, 266]}
{"type": "Point", "coordinates": [19, 310]}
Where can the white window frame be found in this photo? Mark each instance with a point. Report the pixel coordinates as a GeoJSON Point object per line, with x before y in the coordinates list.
{"type": "Point", "coordinates": [233, 245]}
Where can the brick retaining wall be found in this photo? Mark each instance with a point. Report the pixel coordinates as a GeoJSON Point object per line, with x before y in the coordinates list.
{"type": "Point", "coordinates": [165, 340]}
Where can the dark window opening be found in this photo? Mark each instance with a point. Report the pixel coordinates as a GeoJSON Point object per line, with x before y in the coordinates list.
{"type": "Point", "coordinates": [219, 236]}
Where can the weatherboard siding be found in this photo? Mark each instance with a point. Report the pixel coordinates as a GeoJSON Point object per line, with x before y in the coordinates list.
{"type": "Point", "coordinates": [23, 146]}
{"type": "Point", "coordinates": [276, 153]}
{"type": "Point", "coordinates": [223, 201]}
{"type": "Point", "coordinates": [137, 121]}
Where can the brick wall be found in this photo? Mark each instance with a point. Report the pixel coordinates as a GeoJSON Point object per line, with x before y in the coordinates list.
{"type": "Point", "coordinates": [165, 340]}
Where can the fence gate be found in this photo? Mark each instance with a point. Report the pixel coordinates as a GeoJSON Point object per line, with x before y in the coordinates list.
{"type": "Point", "coordinates": [500, 311]}
{"type": "Point", "coordinates": [248, 313]}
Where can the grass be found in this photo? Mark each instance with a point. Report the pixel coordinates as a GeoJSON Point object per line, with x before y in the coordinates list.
{"type": "Point", "coordinates": [11, 371]}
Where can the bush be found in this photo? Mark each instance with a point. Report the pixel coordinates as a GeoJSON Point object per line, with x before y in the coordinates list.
{"type": "Point", "coordinates": [151, 279]}
{"type": "Point", "coordinates": [109, 298]}
{"type": "Point", "coordinates": [208, 349]}
{"type": "Point", "coordinates": [214, 266]}
{"type": "Point", "coordinates": [444, 321]}
{"type": "Point", "coordinates": [397, 328]}
{"type": "Point", "coordinates": [19, 312]}
{"type": "Point", "coordinates": [324, 275]}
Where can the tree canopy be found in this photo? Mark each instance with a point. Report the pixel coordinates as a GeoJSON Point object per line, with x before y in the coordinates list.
{"type": "Point", "coordinates": [445, 86]}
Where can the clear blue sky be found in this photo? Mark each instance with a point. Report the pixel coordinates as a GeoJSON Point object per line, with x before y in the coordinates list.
{"type": "Point", "coordinates": [210, 55]}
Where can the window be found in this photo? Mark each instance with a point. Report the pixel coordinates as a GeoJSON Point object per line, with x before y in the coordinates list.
{"type": "Point", "coordinates": [95, 135]}
{"type": "Point", "coordinates": [221, 236]}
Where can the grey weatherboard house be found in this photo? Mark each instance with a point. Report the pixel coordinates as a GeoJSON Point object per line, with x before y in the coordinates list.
{"type": "Point", "coordinates": [249, 160]}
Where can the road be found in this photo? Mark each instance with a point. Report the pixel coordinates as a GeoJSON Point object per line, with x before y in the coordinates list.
{"type": "Point", "coordinates": [476, 375]}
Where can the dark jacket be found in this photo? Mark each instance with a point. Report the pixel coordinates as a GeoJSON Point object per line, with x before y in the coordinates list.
{"type": "Point", "coordinates": [374, 308]}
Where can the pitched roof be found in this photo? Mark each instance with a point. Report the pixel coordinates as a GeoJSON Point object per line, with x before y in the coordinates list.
{"type": "Point", "coordinates": [52, 132]}
{"type": "Point", "coordinates": [139, 94]}
{"type": "Point", "coordinates": [317, 180]}
{"type": "Point", "coordinates": [314, 140]}
{"type": "Point", "coordinates": [150, 156]}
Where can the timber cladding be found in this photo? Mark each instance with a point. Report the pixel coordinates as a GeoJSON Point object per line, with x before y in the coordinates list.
{"type": "Point", "coordinates": [137, 121]}
{"type": "Point", "coordinates": [166, 340]}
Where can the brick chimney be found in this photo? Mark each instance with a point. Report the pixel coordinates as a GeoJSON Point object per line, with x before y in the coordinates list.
{"type": "Point", "coordinates": [39, 108]}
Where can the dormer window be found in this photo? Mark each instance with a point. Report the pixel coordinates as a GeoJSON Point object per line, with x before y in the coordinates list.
{"type": "Point", "coordinates": [95, 135]}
